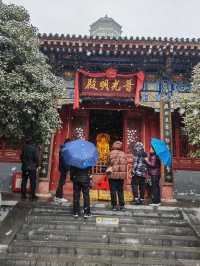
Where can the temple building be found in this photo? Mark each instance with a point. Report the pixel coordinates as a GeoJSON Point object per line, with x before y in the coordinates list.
{"type": "Point", "coordinates": [119, 88]}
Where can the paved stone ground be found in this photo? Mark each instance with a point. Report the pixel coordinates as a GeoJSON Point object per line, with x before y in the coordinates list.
{"type": "Point", "coordinates": [4, 212]}
{"type": "Point", "coordinates": [5, 207]}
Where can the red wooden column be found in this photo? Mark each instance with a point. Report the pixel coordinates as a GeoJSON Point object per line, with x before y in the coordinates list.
{"type": "Point", "coordinates": [125, 127]}
{"type": "Point", "coordinates": [127, 181]}
{"type": "Point", "coordinates": [59, 138]}
{"type": "Point", "coordinates": [154, 125]}
{"type": "Point", "coordinates": [150, 128]}
{"type": "Point", "coordinates": [146, 129]}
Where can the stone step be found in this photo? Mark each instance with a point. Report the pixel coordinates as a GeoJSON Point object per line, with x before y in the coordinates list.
{"type": "Point", "coordinates": [44, 218]}
{"type": "Point", "coordinates": [124, 228]}
{"type": "Point", "coordinates": [85, 260]}
{"type": "Point", "coordinates": [151, 213]}
{"type": "Point", "coordinates": [109, 237]}
{"type": "Point", "coordinates": [100, 249]}
{"type": "Point", "coordinates": [144, 211]}
{"type": "Point", "coordinates": [145, 236]}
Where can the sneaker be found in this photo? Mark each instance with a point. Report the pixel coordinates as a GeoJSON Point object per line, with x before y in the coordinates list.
{"type": "Point", "coordinates": [142, 201]}
{"type": "Point", "coordinates": [87, 215]}
{"type": "Point", "coordinates": [114, 208]}
{"type": "Point", "coordinates": [76, 215]}
{"type": "Point", "coordinates": [60, 200]}
{"type": "Point", "coordinates": [137, 202]}
{"type": "Point", "coordinates": [122, 208]}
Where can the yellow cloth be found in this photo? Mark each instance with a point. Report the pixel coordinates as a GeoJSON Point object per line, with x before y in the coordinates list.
{"type": "Point", "coordinates": [104, 150]}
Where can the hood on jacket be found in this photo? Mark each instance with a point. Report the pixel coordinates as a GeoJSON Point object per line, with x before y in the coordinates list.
{"type": "Point", "coordinates": [138, 148]}
{"type": "Point", "coordinates": [117, 145]}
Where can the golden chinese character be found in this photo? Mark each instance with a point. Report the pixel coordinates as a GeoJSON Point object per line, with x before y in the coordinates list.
{"type": "Point", "coordinates": [115, 85]}
{"type": "Point", "coordinates": [104, 84]}
{"type": "Point", "coordinates": [128, 85]}
{"type": "Point", "coordinates": [91, 84]}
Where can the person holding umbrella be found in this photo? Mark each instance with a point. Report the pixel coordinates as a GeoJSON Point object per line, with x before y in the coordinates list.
{"type": "Point", "coordinates": [81, 183]}
{"type": "Point", "coordinates": [159, 152]}
{"type": "Point", "coordinates": [153, 165]}
{"type": "Point", "coordinates": [80, 155]}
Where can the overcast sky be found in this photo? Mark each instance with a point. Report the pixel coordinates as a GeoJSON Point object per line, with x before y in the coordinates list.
{"type": "Point", "coordinates": [170, 18]}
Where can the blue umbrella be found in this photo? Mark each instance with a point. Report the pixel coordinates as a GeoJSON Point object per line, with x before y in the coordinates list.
{"type": "Point", "coordinates": [80, 153]}
{"type": "Point", "coordinates": [162, 151]}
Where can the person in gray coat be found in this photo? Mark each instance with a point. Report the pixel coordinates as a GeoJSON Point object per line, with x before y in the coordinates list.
{"type": "Point", "coordinates": [139, 172]}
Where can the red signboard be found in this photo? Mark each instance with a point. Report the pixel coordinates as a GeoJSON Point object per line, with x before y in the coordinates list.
{"type": "Point", "coordinates": [108, 84]}
{"type": "Point", "coordinates": [104, 87]}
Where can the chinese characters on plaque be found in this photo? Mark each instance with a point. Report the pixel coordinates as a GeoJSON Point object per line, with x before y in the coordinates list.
{"type": "Point", "coordinates": [104, 87]}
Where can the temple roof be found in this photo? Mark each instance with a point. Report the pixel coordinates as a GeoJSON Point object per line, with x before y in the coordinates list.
{"type": "Point", "coordinates": [120, 45]}
{"type": "Point", "coordinates": [121, 38]}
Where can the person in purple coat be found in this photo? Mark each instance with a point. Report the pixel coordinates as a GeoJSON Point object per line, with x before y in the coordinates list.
{"type": "Point", "coordinates": [153, 164]}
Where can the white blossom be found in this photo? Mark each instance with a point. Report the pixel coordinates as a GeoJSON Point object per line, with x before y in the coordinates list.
{"type": "Point", "coordinates": [28, 88]}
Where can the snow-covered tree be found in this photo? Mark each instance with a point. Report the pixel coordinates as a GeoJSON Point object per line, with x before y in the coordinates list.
{"type": "Point", "coordinates": [28, 88]}
{"type": "Point", "coordinates": [190, 109]}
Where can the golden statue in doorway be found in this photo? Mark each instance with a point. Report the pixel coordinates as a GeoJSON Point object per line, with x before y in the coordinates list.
{"type": "Point", "coordinates": [103, 146]}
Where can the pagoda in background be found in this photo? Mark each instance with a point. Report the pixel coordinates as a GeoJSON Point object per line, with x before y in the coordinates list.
{"type": "Point", "coordinates": [105, 27]}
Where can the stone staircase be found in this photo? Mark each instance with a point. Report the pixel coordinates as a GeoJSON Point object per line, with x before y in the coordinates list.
{"type": "Point", "coordinates": [145, 236]}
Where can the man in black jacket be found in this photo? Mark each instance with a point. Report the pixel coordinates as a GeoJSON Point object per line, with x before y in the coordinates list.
{"type": "Point", "coordinates": [30, 163]}
{"type": "Point", "coordinates": [63, 168]}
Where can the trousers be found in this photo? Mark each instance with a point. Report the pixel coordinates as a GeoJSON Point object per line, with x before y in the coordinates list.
{"type": "Point", "coordinates": [28, 174]}
{"type": "Point", "coordinates": [62, 180]}
{"type": "Point", "coordinates": [155, 189]}
{"type": "Point", "coordinates": [78, 186]}
{"type": "Point", "coordinates": [138, 182]}
{"type": "Point", "coordinates": [116, 189]}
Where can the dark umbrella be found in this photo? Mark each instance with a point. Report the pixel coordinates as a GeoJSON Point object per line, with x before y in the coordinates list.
{"type": "Point", "coordinates": [80, 153]}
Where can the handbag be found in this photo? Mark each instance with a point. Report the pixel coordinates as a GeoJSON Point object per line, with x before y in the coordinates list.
{"type": "Point", "coordinates": [109, 170]}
